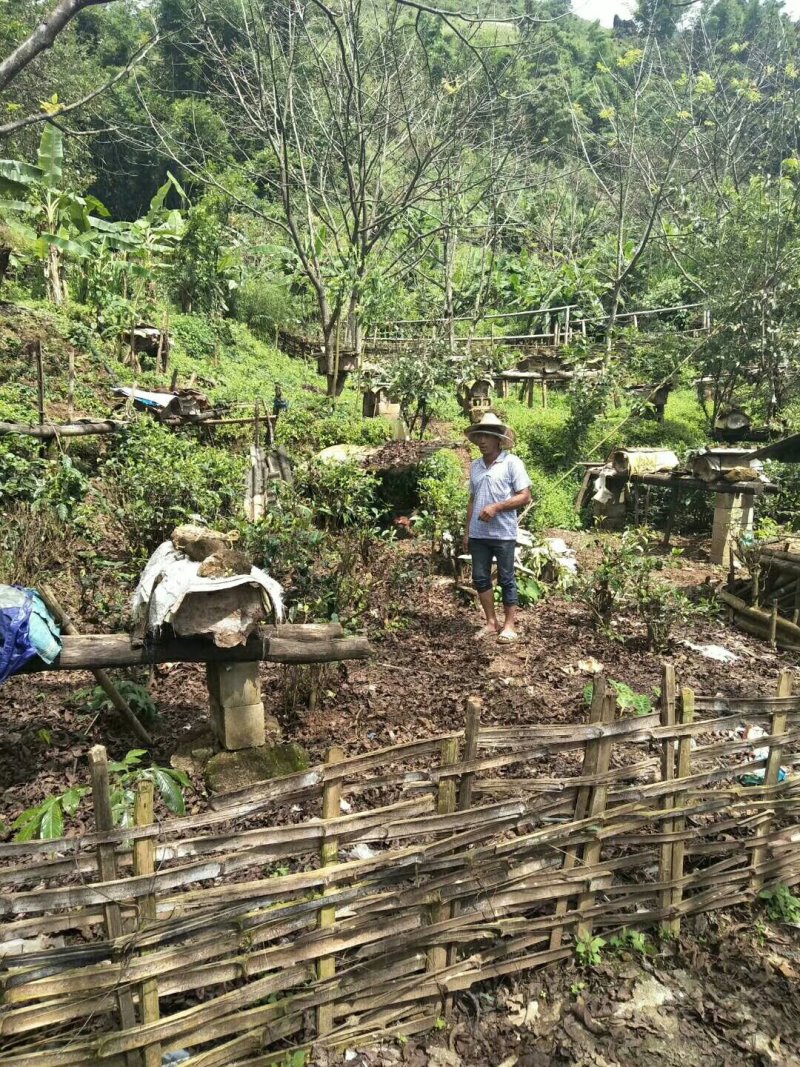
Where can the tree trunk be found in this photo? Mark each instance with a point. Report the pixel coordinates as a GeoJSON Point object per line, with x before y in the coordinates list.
{"type": "Point", "coordinates": [52, 271]}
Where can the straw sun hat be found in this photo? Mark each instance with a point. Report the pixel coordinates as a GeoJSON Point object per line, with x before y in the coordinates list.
{"type": "Point", "coordinates": [490, 424]}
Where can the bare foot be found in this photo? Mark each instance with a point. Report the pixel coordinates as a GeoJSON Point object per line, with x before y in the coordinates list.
{"type": "Point", "coordinates": [489, 630]}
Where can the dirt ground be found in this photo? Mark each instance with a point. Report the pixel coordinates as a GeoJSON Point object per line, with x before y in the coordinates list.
{"type": "Point", "coordinates": [726, 994]}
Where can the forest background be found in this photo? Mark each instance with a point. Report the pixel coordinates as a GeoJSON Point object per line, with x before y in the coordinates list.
{"type": "Point", "coordinates": [234, 169]}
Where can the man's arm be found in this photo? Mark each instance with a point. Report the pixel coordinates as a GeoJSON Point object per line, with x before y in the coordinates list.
{"type": "Point", "coordinates": [518, 500]}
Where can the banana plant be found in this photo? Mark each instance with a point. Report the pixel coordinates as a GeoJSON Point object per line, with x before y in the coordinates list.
{"type": "Point", "coordinates": [55, 216]}
{"type": "Point", "coordinates": [127, 258]}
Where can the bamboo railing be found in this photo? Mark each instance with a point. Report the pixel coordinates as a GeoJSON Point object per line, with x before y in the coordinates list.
{"type": "Point", "coordinates": [353, 900]}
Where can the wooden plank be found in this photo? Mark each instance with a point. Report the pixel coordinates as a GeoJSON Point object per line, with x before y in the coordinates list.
{"type": "Point", "coordinates": [92, 651]}
{"type": "Point", "coordinates": [49, 430]}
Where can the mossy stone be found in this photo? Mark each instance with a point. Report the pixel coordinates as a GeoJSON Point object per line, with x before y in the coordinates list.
{"type": "Point", "coordinates": [228, 771]}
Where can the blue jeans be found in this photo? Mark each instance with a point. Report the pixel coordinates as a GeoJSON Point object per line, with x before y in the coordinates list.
{"type": "Point", "coordinates": [484, 550]}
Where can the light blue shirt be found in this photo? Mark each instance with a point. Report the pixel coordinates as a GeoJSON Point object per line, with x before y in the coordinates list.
{"type": "Point", "coordinates": [494, 485]}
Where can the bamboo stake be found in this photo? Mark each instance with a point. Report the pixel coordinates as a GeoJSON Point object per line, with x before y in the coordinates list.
{"type": "Point", "coordinates": [673, 925]}
{"type": "Point", "coordinates": [771, 774]}
{"type": "Point", "coordinates": [582, 800]}
{"type": "Point", "coordinates": [773, 622]}
{"type": "Point", "coordinates": [107, 867]}
{"type": "Point", "coordinates": [471, 731]}
{"type": "Point", "coordinates": [473, 724]}
{"type": "Point", "coordinates": [437, 954]}
{"type": "Point", "coordinates": [144, 863]}
{"type": "Point", "coordinates": [329, 854]}
{"type": "Point", "coordinates": [597, 804]}
{"type": "Point", "coordinates": [71, 384]}
{"type": "Point", "coordinates": [667, 775]}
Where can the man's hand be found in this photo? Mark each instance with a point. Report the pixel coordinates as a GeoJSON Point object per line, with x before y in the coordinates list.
{"type": "Point", "coordinates": [489, 512]}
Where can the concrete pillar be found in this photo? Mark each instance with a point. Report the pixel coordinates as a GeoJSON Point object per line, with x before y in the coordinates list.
{"type": "Point", "coordinates": [611, 516]}
{"type": "Point", "coordinates": [237, 714]}
{"type": "Point", "coordinates": [733, 514]}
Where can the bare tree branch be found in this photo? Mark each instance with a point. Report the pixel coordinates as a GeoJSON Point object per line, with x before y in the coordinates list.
{"type": "Point", "coordinates": [43, 116]}
{"type": "Point", "coordinates": [43, 37]}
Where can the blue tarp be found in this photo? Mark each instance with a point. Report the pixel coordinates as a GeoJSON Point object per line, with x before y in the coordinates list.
{"type": "Point", "coordinates": [27, 629]}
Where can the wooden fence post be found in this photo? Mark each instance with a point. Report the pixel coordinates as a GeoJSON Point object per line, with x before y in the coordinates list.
{"type": "Point", "coordinates": [446, 804]}
{"type": "Point", "coordinates": [771, 774]}
{"type": "Point", "coordinates": [597, 804]}
{"type": "Point", "coordinates": [473, 725]}
{"type": "Point", "coordinates": [582, 800]}
{"type": "Point", "coordinates": [673, 925]}
{"type": "Point", "coordinates": [107, 868]}
{"type": "Point", "coordinates": [144, 851]}
{"type": "Point", "coordinates": [471, 731]}
{"type": "Point", "coordinates": [329, 854]}
{"type": "Point", "coordinates": [667, 775]}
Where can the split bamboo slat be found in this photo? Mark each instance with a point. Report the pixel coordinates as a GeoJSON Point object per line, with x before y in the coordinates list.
{"type": "Point", "coordinates": [667, 775]}
{"type": "Point", "coordinates": [582, 798]}
{"type": "Point", "coordinates": [684, 756]}
{"type": "Point", "coordinates": [479, 866]}
{"type": "Point", "coordinates": [329, 854]}
{"type": "Point", "coordinates": [771, 774]}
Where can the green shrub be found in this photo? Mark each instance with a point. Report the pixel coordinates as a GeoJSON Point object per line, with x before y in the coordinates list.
{"type": "Point", "coordinates": [553, 500]}
{"type": "Point", "coordinates": [320, 569]}
{"type": "Point", "coordinates": [198, 336]}
{"type": "Point", "coordinates": [443, 496]}
{"type": "Point", "coordinates": [782, 904]}
{"type": "Point", "coordinates": [342, 494]}
{"type": "Point", "coordinates": [782, 507]}
{"type": "Point", "coordinates": [311, 424]}
{"type": "Point", "coordinates": [264, 304]}
{"type": "Point", "coordinates": [542, 435]}
{"type": "Point", "coordinates": [625, 578]}
{"type": "Point", "coordinates": [21, 469]}
{"type": "Point", "coordinates": [157, 479]}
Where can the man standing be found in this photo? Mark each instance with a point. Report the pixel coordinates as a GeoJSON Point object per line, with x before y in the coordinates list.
{"type": "Point", "coordinates": [498, 486]}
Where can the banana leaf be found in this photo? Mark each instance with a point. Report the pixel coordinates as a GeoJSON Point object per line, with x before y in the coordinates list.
{"type": "Point", "coordinates": [17, 177]}
{"type": "Point", "coordinates": [51, 155]}
{"type": "Point", "coordinates": [71, 248]}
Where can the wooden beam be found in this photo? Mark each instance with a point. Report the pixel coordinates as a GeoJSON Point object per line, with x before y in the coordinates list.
{"type": "Point", "coordinates": [69, 429]}
{"type": "Point", "coordinates": [92, 651]}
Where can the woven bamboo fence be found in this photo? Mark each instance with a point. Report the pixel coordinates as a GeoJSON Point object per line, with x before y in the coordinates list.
{"type": "Point", "coordinates": [766, 602]}
{"type": "Point", "coordinates": [354, 900]}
